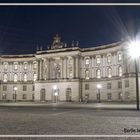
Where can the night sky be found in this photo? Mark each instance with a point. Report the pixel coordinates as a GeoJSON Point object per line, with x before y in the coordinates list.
{"type": "Point", "coordinates": [22, 28]}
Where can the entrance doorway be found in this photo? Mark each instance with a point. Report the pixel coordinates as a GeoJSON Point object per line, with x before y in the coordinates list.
{"type": "Point", "coordinates": [55, 94]}
{"type": "Point", "coordinates": [42, 95]}
{"type": "Point", "coordinates": [68, 95]}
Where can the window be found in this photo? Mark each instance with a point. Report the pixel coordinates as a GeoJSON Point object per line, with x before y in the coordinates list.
{"type": "Point", "coordinates": [5, 77]}
{"type": "Point", "coordinates": [108, 85]}
{"type": "Point", "coordinates": [25, 77]}
{"type": "Point", "coordinates": [98, 73]}
{"type": "Point", "coordinates": [24, 97]}
{"type": "Point", "coordinates": [87, 74]}
{"type": "Point", "coordinates": [15, 66]}
{"type": "Point", "coordinates": [15, 77]}
{"type": "Point", "coordinates": [4, 88]}
{"type": "Point", "coordinates": [5, 65]}
{"type": "Point", "coordinates": [109, 71]}
{"type": "Point", "coordinates": [86, 86]}
{"type": "Point", "coordinates": [35, 65]}
{"type": "Point", "coordinates": [33, 88]}
{"type": "Point", "coordinates": [35, 76]}
{"type": "Point", "coordinates": [109, 96]}
{"type": "Point", "coordinates": [119, 57]}
{"type": "Point", "coordinates": [98, 60]}
{"type": "Point", "coordinates": [109, 59]}
{"type": "Point", "coordinates": [24, 88]}
{"type": "Point", "coordinates": [127, 95]}
{"type": "Point", "coordinates": [120, 71]}
{"type": "Point", "coordinates": [120, 96]}
{"type": "Point", "coordinates": [126, 83]}
{"type": "Point", "coordinates": [119, 84]}
{"type": "Point", "coordinates": [33, 96]}
{"type": "Point", "coordinates": [25, 66]}
{"type": "Point", "coordinates": [58, 71]}
{"type": "Point", "coordinates": [87, 62]}
{"type": "Point", "coordinates": [4, 96]}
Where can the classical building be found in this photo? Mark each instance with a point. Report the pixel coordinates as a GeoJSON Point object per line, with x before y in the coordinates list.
{"type": "Point", "coordinates": [69, 73]}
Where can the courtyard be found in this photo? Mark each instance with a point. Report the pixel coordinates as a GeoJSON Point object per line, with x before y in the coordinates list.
{"type": "Point", "coordinates": [68, 119]}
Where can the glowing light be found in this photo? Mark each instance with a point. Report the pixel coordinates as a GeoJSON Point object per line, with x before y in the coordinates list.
{"type": "Point", "coordinates": [99, 86]}
{"type": "Point", "coordinates": [134, 49]}
{"type": "Point", "coordinates": [54, 87]}
{"type": "Point", "coordinates": [15, 88]}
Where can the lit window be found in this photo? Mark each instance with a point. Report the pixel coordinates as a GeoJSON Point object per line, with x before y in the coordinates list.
{"type": "Point", "coordinates": [25, 65]}
{"type": "Point", "coordinates": [87, 74]}
{"type": "Point", "coordinates": [119, 56]}
{"type": "Point", "coordinates": [98, 73]}
{"type": "Point", "coordinates": [15, 77]}
{"type": "Point", "coordinates": [109, 72]}
{"type": "Point", "coordinates": [5, 65]}
{"type": "Point", "coordinates": [98, 60]}
{"type": "Point", "coordinates": [34, 65]}
{"type": "Point", "coordinates": [35, 76]}
{"type": "Point", "coordinates": [5, 77]}
{"type": "Point", "coordinates": [87, 62]}
{"type": "Point", "coordinates": [109, 59]}
{"type": "Point", "coordinates": [120, 71]}
{"type": "Point", "coordinates": [15, 66]}
{"type": "Point", "coordinates": [25, 77]}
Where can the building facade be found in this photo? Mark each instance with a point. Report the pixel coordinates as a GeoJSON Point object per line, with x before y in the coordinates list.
{"type": "Point", "coordinates": [69, 73]}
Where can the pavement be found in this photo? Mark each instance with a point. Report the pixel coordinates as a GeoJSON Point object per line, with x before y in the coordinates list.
{"type": "Point", "coordinates": [103, 105]}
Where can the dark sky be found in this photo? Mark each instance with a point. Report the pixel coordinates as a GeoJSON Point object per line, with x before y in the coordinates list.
{"type": "Point", "coordinates": [23, 27]}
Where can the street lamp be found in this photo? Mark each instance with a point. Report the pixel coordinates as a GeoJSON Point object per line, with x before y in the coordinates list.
{"type": "Point", "coordinates": [99, 87]}
{"type": "Point", "coordinates": [134, 51]}
{"type": "Point", "coordinates": [15, 89]}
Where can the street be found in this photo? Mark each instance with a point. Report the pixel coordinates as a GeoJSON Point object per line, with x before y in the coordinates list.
{"type": "Point", "coordinates": [56, 120]}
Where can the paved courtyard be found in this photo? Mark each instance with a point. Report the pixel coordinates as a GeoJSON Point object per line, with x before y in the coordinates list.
{"type": "Point", "coordinates": [53, 119]}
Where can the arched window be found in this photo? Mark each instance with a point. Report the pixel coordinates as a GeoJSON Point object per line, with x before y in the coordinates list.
{"type": "Point", "coordinates": [120, 71]}
{"type": "Point", "coordinates": [109, 59]}
{"type": "Point", "coordinates": [98, 60]}
{"type": "Point", "coordinates": [87, 62]}
{"type": "Point", "coordinates": [5, 77]}
{"type": "Point", "coordinates": [35, 65]}
{"type": "Point", "coordinates": [15, 77]}
{"type": "Point", "coordinates": [87, 74]}
{"type": "Point", "coordinates": [35, 77]}
{"type": "Point", "coordinates": [25, 77]}
{"type": "Point", "coordinates": [119, 56]}
{"type": "Point", "coordinates": [5, 65]}
{"type": "Point", "coordinates": [109, 72]}
{"type": "Point", "coordinates": [58, 71]}
{"type": "Point", "coordinates": [98, 73]}
{"type": "Point", "coordinates": [25, 65]}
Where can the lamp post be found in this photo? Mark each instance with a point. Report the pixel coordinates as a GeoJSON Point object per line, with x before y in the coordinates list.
{"type": "Point", "coordinates": [134, 49]}
{"type": "Point", "coordinates": [15, 89]}
{"type": "Point", "coordinates": [99, 87]}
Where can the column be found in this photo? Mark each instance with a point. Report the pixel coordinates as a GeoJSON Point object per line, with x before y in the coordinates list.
{"type": "Point", "coordinates": [38, 73]}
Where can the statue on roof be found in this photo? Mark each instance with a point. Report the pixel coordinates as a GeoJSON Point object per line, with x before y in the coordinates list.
{"type": "Point", "coordinates": [57, 44]}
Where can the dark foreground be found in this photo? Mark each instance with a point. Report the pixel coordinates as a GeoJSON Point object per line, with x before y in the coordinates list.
{"type": "Point", "coordinates": [53, 120]}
